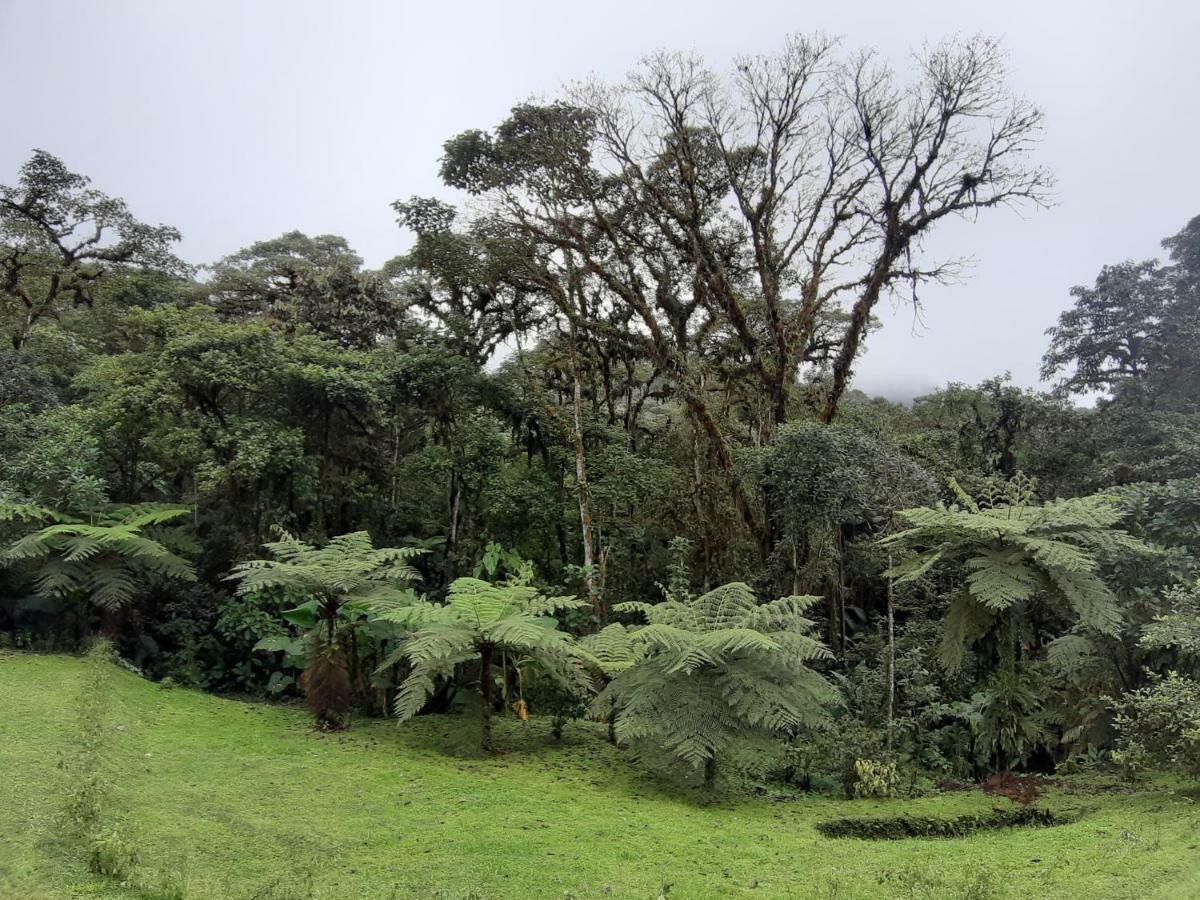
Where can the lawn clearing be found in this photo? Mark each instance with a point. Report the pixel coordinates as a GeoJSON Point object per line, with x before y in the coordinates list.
{"type": "Point", "coordinates": [231, 799]}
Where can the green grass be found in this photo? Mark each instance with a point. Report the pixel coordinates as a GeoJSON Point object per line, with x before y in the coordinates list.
{"type": "Point", "coordinates": [245, 800]}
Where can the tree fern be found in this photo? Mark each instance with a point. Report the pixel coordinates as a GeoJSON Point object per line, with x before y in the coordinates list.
{"type": "Point", "coordinates": [1013, 553]}
{"type": "Point", "coordinates": [106, 558]}
{"type": "Point", "coordinates": [336, 584]}
{"type": "Point", "coordinates": [478, 620]}
{"type": "Point", "coordinates": [705, 672]}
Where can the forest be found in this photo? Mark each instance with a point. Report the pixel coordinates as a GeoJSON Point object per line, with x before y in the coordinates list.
{"type": "Point", "coordinates": [580, 483]}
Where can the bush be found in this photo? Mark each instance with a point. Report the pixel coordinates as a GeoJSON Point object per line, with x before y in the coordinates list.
{"type": "Point", "coordinates": [108, 853]}
{"type": "Point", "coordinates": [875, 779]}
{"type": "Point", "coordinates": [1159, 726]}
{"type": "Point", "coordinates": [548, 696]}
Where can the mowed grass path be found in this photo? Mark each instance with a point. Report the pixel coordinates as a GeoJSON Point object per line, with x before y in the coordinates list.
{"type": "Point", "coordinates": [245, 800]}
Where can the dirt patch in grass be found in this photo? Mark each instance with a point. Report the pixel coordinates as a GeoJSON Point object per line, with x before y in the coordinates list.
{"type": "Point", "coordinates": [894, 828]}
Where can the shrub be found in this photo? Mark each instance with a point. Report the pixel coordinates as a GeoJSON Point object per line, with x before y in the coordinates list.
{"type": "Point", "coordinates": [109, 853]}
{"type": "Point", "coordinates": [1159, 726]}
{"type": "Point", "coordinates": [875, 779]}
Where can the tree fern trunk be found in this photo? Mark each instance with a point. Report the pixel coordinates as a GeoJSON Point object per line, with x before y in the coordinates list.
{"type": "Point", "coordinates": [710, 772]}
{"type": "Point", "coordinates": [485, 691]}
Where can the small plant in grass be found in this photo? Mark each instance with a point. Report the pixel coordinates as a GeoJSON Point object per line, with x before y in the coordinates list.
{"type": "Point", "coordinates": [875, 779]}
{"type": "Point", "coordinates": [111, 853]}
{"type": "Point", "coordinates": [88, 790]}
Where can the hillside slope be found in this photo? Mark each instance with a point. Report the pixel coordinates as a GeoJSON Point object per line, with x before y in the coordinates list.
{"type": "Point", "coordinates": [244, 800]}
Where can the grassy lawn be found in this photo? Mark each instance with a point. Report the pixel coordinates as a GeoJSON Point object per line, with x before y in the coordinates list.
{"type": "Point", "coordinates": [245, 800]}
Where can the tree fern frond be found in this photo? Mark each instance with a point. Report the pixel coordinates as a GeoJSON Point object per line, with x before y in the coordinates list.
{"type": "Point", "coordinates": [1000, 578]}
{"type": "Point", "coordinates": [966, 621]}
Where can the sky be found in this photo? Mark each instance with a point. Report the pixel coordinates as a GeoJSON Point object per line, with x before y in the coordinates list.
{"type": "Point", "coordinates": [236, 121]}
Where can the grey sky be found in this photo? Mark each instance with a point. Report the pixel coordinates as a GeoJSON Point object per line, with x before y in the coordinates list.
{"type": "Point", "coordinates": [236, 121]}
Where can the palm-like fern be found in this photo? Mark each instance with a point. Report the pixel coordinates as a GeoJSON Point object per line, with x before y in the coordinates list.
{"type": "Point", "coordinates": [1015, 552]}
{"type": "Point", "coordinates": [347, 576]}
{"type": "Point", "coordinates": [477, 620]}
{"type": "Point", "coordinates": [704, 672]}
{"type": "Point", "coordinates": [104, 558]}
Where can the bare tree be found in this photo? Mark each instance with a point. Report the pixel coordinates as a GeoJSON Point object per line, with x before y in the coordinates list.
{"type": "Point", "coordinates": [750, 223]}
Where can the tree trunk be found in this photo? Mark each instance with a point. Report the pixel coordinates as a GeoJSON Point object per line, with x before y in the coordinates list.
{"type": "Point", "coordinates": [706, 553]}
{"type": "Point", "coordinates": [710, 772]}
{"type": "Point", "coordinates": [891, 682]}
{"type": "Point", "coordinates": [485, 691]}
{"type": "Point", "coordinates": [585, 514]}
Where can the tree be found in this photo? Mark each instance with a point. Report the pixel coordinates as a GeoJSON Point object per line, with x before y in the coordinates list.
{"type": "Point", "coordinates": [103, 557]}
{"type": "Point", "coordinates": [347, 577]}
{"type": "Point", "coordinates": [60, 238]}
{"type": "Point", "coordinates": [769, 210]}
{"type": "Point", "coordinates": [465, 281]}
{"type": "Point", "coordinates": [1109, 335]}
{"type": "Point", "coordinates": [1016, 555]}
{"type": "Point", "coordinates": [1136, 328]}
{"type": "Point", "coordinates": [295, 280]}
{"type": "Point", "coordinates": [826, 484]}
{"type": "Point", "coordinates": [478, 622]}
{"type": "Point", "coordinates": [712, 670]}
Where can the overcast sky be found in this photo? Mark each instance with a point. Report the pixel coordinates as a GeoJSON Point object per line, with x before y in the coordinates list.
{"type": "Point", "coordinates": [236, 121]}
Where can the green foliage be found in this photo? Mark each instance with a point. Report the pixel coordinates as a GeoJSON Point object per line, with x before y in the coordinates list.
{"type": "Point", "coordinates": [1007, 717]}
{"type": "Point", "coordinates": [60, 239]}
{"type": "Point", "coordinates": [1159, 726]}
{"type": "Point", "coordinates": [347, 570]}
{"type": "Point", "coordinates": [820, 476]}
{"type": "Point", "coordinates": [875, 779]}
{"type": "Point", "coordinates": [299, 281]}
{"type": "Point", "coordinates": [103, 558]}
{"type": "Point", "coordinates": [111, 853]}
{"type": "Point", "coordinates": [708, 671]}
{"type": "Point", "coordinates": [477, 620]}
{"type": "Point", "coordinates": [337, 586]}
{"type": "Point", "coordinates": [1014, 554]}
{"type": "Point", "coordinates": [1179, 627]}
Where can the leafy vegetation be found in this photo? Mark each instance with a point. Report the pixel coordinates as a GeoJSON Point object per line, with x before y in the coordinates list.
{"type": "Point", "coordinates": [619, 371]}
{"type": "Point", "coordinates": [709, 671]}
{"type": "Point", "coordinates": [336, 586]}
{"type": "Point", "coordinates": [478, 622]}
